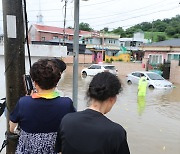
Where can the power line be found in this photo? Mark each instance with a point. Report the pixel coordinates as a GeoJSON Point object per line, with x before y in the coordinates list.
{"type": "Point", "coordinates": [128, 12]}
{"type": "Point", "coordinates": [137, 16]}
{"type": "Point", "coordinates": [117, 14]}
{"type": "Point", "coordinates": [99, 3]}
{"type": "Point", "coordinates": [112, 14]}
{"type": "Point", "coordinates": [72, 7]}
{"type": "Point", "coordinates": [122, 19]}
{"type": "Point", "coordinates": [149, 6]}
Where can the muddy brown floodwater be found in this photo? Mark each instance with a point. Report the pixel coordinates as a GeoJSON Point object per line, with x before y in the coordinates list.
{"type": "Point", "coordinates": [152, 124]}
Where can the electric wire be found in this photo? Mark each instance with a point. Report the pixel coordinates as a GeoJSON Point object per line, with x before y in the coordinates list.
{"type": "Point", "coordinates": [114, 14]}
{"type": "Point", "coordinates": [72, 7]}
{"type": "Point", "coordinates": [27, 39]}
{"type": "Point", "coordinates": [136, 16]}
{"type": "Point", "coordinates": [122, 13]}
{"type": "Point", "coordinates": [169, 9]}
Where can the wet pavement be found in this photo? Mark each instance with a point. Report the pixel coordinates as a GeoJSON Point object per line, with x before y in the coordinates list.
{"type": "Point", "coordinates": [152, 124]}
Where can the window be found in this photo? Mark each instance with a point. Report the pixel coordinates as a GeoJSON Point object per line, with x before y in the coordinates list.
{"type": "Point", "coordinates": [173, 57]}
{"type": "Point", "coordinates": [176, 57]}
{"type": "Point", "coordinates": [155, 59]}
{"type": "Point", "coordinates": [95, 67]}
{"type": "Point", "coordinates": [92, 67]}
{"type": "Point", "coordinates": [110, 67]}
{"type": "Point", "coordinates": [136, 74]}
{"type": "Point", "coordinates": [98, 67]}
{"type": "Point", "coordinates": [160, 58]}
{"type": "Point", "coordinates": [90, 41]}
{"type": "Point", "coordinates": [133, 43]}
{"type": "Point", "coordinates": [169, 57]}
{"type": "Point", "coordinates": [43, 38]}
{"type": "Point", "coordinates": [55, 37]}
{"type": "Point", "coordinates": [112, 41]}
{"type": "Point", "coordinates": [154, 76]}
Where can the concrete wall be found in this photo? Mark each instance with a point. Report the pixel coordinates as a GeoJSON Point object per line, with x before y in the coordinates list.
{"type": "Point", "coordinates": [125, 68]}
{"type": "Point", "coordinates": [47, 50]}
{"type": "Point", "coordinates": [175, 71]}
{"type": "Point", "coordinates": [37, 52]}
{"type": "Point", "coordinates": [83, 59]}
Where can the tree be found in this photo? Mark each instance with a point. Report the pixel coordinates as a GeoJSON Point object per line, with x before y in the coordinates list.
{"type": "Point", "coordinates": [130, 31]}
{"type": "Point", "coordinates": [161, 37]}
{"type": "Point", "coordinates": [159, 26]}
{"type": "Point", "coordinates": [176, 36]}
{"type": "Point", "coordinates": [70, 27]}
{"type": "Point", "coordinates": [105, 29]}
{"type": "Point", "coordinates": [119, 31]}
{"type": "Point", "coordinates": [85, 27]}
{"type": "Point", "coordinates": [145, 26]}
{"type": "Point", "coordinates": [170, 31]}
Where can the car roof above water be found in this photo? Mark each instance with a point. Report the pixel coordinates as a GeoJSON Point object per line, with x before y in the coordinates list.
{"type": "Point", "coordinates": [103, 64]}
{"type": "Point", "coordinates": [144, 72]}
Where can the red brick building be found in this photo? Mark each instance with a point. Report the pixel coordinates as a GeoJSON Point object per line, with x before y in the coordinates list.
{"type": "Point", "coordinates": [45, 33]}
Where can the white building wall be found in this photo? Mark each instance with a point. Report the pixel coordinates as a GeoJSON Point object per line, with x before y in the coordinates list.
{"type": "Point", "coordinates": [37, 52]}
{"type": "Point", "coordinates": [138, 36]}
{"type": "Point", "coordinates": [96, 41]}
{"type": "Point", "coordinates": [114, 42]}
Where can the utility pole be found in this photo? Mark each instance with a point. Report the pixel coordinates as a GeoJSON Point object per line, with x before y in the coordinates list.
{"type": "Point", "coordinates": [14, 58]}
{"type": "Point", "coordinates": [64, 34]}
{"type": "Point", "coordinates": [76, 52]}
{"type": "Point", "coordinates": [103, 51]}
{"type": "Point", "coordinates": [152, 35]}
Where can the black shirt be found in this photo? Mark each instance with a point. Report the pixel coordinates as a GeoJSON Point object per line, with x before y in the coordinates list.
{"type": "Point", "coordinates": [90, 132]}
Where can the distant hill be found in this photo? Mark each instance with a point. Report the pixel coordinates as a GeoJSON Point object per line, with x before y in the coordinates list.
{"type": "Point", "coordinates": [159, 30]}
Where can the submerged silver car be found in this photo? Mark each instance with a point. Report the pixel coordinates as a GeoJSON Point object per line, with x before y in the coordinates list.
{"type": "Point", "coordinates": [98, 68]}
{"type": "Point", "coordinates": [154, 80]}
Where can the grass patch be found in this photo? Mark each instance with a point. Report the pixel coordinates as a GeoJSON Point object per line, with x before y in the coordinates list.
{"type": "Point", "coordinates": [150, 35]}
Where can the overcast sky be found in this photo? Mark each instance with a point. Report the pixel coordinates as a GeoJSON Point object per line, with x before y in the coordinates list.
{"type": "Point", "coordinates": [101, 13]}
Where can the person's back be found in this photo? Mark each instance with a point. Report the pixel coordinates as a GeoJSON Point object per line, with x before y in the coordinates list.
{"type": "Point", "coordinates": [89, 131]}
{"type": "Point", "coordinates": [142, 86]}
{"type": "Point", "coordinates": [97, 134]}
{"type": "Point", "coordinates": [39, 115]}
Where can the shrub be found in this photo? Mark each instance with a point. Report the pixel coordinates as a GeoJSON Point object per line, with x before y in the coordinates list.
{"type": "Point", "coordinates": [119, 60]}
{"type": "Point", "coordinates": [111, 59]}
{"type": "Point", "coordinates": [108, 61]}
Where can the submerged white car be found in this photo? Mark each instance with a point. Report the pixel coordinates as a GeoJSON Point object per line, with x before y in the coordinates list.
{"type": "Point", "coordinates": [98, 68]}
{"type": "Point", "coordinates": [154, 80]}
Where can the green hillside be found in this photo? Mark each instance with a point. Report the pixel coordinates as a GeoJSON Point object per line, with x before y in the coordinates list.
{"type": "Point", "coordinates": [154, 36]}
{"type": "Point", "coordinates": [158, 30]}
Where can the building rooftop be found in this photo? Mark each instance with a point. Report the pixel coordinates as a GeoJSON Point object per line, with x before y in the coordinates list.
{"type": "Point", "coordinates": [52, 29]}
{"type": "Point", "coordinates": [173, 42]}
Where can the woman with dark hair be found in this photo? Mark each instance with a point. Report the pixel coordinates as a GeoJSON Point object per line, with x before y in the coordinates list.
{"type": "Point", "coordinates": [61, 64]}
{"type": "Point", "coordinates": [40, 114]}
{"type": "Point", "coordinates": [89, 131]}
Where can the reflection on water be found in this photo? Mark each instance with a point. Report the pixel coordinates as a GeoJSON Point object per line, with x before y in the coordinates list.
{"type": "Point", "coordinates": [152, 123]}
{"type": "Point", "coordinates": [141, 104]}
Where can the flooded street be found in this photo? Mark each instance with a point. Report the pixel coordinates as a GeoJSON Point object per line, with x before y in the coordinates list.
{"type": "Point", "coordinates": [152, 124]}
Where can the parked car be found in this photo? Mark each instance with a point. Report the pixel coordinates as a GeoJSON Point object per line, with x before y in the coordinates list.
{"type": "Point", "coordinates": [97, 68]}
{"type": "Point", "coordinates": [154, 80]}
